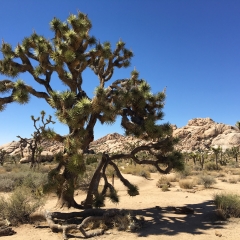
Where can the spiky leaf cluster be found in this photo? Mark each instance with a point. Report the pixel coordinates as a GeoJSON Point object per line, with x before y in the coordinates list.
{"type": "Point", "coordinates": [76, 164]}
{"type": "Point", "coordinates": [20, 93]}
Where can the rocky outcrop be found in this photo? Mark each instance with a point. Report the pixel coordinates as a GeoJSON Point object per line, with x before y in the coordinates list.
{"type": "Point", "coordinates": [115, 143]}
{"type": "Point", "coordinates": [50, 148]}
{"type": "Point", "coordinates": [199, 133]}
{"type": "Point", "coordinates": [204, 133]}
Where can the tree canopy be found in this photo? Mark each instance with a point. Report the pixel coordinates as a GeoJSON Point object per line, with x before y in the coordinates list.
{"type": "Point", "coordinates": [68, 54]}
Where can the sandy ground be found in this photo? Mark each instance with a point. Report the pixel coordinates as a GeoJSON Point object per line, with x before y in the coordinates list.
{"type": "Point", "coordinates": [156, 208]}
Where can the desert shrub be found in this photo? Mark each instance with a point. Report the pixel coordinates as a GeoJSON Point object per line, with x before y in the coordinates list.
{"type": "Point", "coordinates": [186, 183]}
{"type": "Point", "coordinates": [165, 188]}
{"type": "Point", "coordinates": [19, 205]}
{"type": "Point", "coordinates": [163, 181]}
{"type": "Point", "coordinates": [206, 180]}
{"type": "Point", "coordinates": [6, 184]}
{"type": "Point", "coordinates": [173, 178]}
{"type": "Point", "coordinates": [138, 170]}
{"type": "Point", "coordinates": [144, 173]}
{"type": "Point", "coordinates": [184, 173]}
{"type": "Point", "coordinates": [228, 204]}
{"type": "Point", "coordinates": [232, 180]}
{"type": "Point", "coordinates": [9, 181]}
{"type": "Point", "coordinates": [211, 166]}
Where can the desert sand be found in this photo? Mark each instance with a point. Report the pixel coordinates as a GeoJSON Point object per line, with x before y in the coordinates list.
{"type": "Point", "coordinates": [156, 206]}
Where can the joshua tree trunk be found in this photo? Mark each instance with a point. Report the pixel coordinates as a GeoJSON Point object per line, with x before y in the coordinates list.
{"type": "Point", "coordinates": [66, 192]}
{"type": "Point", "coordinates": [216, 160]}
{"type": "Point", "coordinates": [93, 187]}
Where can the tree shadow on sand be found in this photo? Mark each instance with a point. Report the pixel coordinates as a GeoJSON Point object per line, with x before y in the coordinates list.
{"type": "Point", "coordinates": [165, 221]}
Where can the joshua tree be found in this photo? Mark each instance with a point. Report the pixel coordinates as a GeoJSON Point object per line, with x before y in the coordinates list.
{"type": "Point", "coordinates": [203, 154]}
{"type": "Point", "coordinates": [217, 151]}
{"type": "Point", "coordinates": [194, 156]}
{"type": "Point", "coordinates": [233, 152]}
{"type": "Point", "coordinates": [2, 156]}
{"type": "Point", "coordinates": [34, 144]}
{"type": "Point", "coordinates": [71, 51]}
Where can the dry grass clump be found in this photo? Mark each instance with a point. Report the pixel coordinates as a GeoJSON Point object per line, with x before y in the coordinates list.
{"type": "Point", "coordinates": [137, 170]}
{"type": "Point", "coordinates": [186, 183]}
{"type": "Point", "coordinates": [163, 183]}
{"type": "Point", "coordinates": [173, 178]}
{"type": "Point", "coordinates": [206, 180]}
{"type": "Point", "coordinates": [228, 205]}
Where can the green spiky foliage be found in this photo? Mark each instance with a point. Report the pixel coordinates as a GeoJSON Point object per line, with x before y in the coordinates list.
{"type": "Point", "coordinates": [68, 54]}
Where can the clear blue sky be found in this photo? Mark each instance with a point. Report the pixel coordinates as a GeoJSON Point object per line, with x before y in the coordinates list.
{"type": "Point", "coordinates": [190, 46]}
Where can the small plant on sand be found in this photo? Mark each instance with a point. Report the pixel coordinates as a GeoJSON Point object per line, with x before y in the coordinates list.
{"type": "Point", "coordinates": [186, 184]}
{"type": "Point", "coordinates": [206, 180]}
{"type": "Point", "coordinates": [165, 188]}
{"type": "Point", "coordinates": [228, 205]}
{"type": "Point", "coordinates": [19, 205]}
{"type": "Point", "coordinates": [163, 182]}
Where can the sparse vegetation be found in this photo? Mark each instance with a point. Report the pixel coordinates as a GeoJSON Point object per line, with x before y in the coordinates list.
{"type": "Point", "coordinates": [21, 203]}
{"type": "Point", "coordinates": [186, 183]}
{"type": "Point", "coordinates": [163, 182]}
{"type": "Point", "coordinates": [206, 180]}
{"type": "Point", "coordinates": [22, 176]}
{"type": "Point", "coordinates": [138, 170]}
{"type": "Point", "coordinates": [228, 205]}
{"type": "Point", "coordinates": [210, 166]}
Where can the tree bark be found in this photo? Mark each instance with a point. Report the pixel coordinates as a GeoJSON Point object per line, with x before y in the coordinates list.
{"type": "Point", "coordinates": [95, 182]}
{"type": "Point", "coordinates": [66, 192]}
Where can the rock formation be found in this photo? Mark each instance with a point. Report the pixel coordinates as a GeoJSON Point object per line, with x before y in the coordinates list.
{"type": "Point", "coordinates": [199, 133]}
{"type": "Point", "coordinates": [204, 133]}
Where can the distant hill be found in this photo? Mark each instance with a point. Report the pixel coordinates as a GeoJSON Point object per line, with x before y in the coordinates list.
{"type": "Point", "coordinates": [199, 133]}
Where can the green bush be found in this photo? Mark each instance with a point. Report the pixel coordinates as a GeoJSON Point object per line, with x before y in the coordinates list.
{"type": "Point", "coordinates": [21, 203]}
{"type": "Point", "coordinates": [206, 180]}
{"type": "Point", "coordinates": [228, 205]}
{"type": "Point", "coordinates": [211, 166]}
